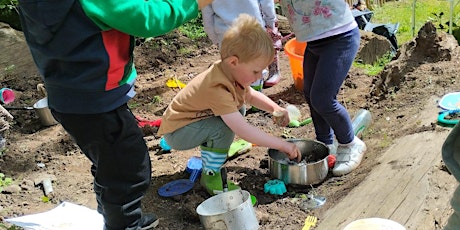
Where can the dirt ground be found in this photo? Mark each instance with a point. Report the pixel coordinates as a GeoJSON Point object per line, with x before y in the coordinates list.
{"type": "Point", "coordinates": [424, 71]}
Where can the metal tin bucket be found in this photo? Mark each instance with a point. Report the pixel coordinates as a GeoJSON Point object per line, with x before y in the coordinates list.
{"type": "Point", "coordinates": [312, 169]}
{"type": "Point", "coordinates": [228, 210]}
{"type": "Point", "coordinates": [44, 113]}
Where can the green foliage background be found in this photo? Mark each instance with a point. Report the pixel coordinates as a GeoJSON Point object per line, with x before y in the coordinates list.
{"type": "Point", "coordinates": [402, 12]}
{"type": "Point", "coordinates": [8, 13]}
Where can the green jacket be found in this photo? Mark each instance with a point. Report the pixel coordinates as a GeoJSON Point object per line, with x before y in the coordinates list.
{"type": "Point", "coordinates": [84, 48]}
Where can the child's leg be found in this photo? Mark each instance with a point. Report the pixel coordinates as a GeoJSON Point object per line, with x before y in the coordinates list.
{"type": "Point", "coordinates": [274, 74]}
{"type": "Point", "coordinates": [201, 133]}
{"type": "Point", "coordinates": [326, 64]}
{"type": "Point", "coordinates": [211, 178]}
{"type": "Point", "coordinates": [258, 85]}
{"type": "Point", "coordinates": [331, 60]}
{"type": "Point", "coordinates": [214, 138]}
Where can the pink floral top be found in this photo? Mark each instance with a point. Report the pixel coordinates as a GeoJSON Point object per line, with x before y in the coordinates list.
{"type": "Point", "coordinates": [311, 18]}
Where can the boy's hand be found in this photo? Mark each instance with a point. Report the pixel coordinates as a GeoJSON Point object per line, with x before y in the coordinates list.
{"type": "Point", "coordinates": [294, 152]}
{"type": "Point", "coordinates": [281, 117]}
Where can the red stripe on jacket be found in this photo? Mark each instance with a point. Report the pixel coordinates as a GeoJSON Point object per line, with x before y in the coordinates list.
{"type": "Point", "coordinates": [117, 46]}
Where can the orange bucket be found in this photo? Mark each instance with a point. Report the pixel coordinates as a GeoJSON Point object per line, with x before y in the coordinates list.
{"type": "Point", "coordinates": [295, 51]}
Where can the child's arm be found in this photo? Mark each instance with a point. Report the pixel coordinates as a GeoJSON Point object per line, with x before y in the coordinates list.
{"type": "Point", "coordinates": [261, 101]}
{"type": "Point", "coordinates": [141, 18]}
{"type": "Point", "coordinates": [208, 23]}
{"type": "Point", "coordinates": [236, 122]}
{"type": "Point", "coordinates": [267, 8]}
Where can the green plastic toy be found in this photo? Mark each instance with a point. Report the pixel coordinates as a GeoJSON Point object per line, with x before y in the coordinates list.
{"type": "Point", "coordinates": [296, 123]}
{"type": "Point", "coordinates": [239, 147]}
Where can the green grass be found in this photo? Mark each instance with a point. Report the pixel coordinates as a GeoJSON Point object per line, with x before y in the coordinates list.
{"type": "Point", "coordinates": [193, 29]}
{"type": "Point", "coordinates": [370, 70]}
{"type": "Point", "coordinates": [377, 67]}
{"type": "Point", "coordinates": [4, 181]}
{"type": "Point", "coordinates": [402, 11]}
{"type": "Point", "coordinates": [437, 11]}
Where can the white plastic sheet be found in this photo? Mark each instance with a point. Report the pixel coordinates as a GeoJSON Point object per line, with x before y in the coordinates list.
{"type": "Point", "coordinates": [66, 216]}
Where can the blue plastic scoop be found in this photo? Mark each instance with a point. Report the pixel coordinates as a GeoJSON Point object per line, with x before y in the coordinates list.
{"type": "Point", "coordinates": [182, 186]}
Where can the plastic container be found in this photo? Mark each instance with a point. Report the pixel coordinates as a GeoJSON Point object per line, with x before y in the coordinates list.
{"type": "Point", "coordinates": [295, 51]}
{"type": "Point", "coordinates": [6, 95]}
{"type": "Point", "coordinates": [294, 116]}
{"type": "Point", "coordinates": [374, 224]}
{"type": "Point", "coordinates": [294, 112]}
{"type": "Point", "coordinates": [361, 121]}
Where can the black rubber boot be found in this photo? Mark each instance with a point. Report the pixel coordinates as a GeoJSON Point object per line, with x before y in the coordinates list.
{"type": "Point", "coordinates": [149, 221]}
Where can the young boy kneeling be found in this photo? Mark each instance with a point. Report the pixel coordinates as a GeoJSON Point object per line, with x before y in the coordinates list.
{"type": "Point", "coordinates": [208, 112]}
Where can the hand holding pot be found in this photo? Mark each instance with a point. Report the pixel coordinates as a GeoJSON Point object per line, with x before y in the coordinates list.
{"type": "Point", "coordinates": [293, 152]}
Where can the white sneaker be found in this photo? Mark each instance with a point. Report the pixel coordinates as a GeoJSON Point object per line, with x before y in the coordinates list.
{"type": "Point", "coordinates": [349, 157]}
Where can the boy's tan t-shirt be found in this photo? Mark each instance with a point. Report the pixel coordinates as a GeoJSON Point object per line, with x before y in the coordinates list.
{"type": "Point", "coordinates": [211, 93]}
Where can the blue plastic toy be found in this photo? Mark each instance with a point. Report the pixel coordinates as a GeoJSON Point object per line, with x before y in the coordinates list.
{"type": "Point", "coordinates": [275, 187]}
{"type": "Point", "coordinates": [164, 145]}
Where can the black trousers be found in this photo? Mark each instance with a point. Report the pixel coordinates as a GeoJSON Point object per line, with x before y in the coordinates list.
{"type": "Point", "coordinates": [120, 162]}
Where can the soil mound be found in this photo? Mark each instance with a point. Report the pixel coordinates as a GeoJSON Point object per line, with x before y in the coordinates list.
{"type": "Point", "coordinates": [429, 46]}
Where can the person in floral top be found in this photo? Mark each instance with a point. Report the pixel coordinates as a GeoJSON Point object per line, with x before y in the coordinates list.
{"type": "Point", "coordinates": [332, 37]}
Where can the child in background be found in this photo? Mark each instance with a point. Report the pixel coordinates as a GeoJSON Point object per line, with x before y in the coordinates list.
{"type": "Point", "coordinates": [218, 17]}
{"type": "Point", "coordinates": [360, 5]}
{"type": "Point", "coordinates": [208, 112]}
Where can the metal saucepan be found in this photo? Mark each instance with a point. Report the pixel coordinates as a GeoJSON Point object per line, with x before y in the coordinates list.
{"type": "Point", "coordinates": [312, 169]}
{"type": "Point", "coordinates": [42, 111]}
{"type": "Point", "coordinates": [230, 210]}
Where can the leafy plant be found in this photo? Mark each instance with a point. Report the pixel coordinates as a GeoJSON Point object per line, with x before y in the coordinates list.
{"type": "Point", "coordinates": [443, 24]}
{"type": "Point", "coordinates": [8, 4]}
{"type": "Point", "coordinates": [7, 71]}
{"type": "Point", "coordinates": [4, 181]}
{"type": "Point", "coordinates": [193, 29]}
{"type": "Point", "coordinates": [133, 105]}
{"type": "Point", "coordinates": [45, 199]}
{"type": "Point", "coordinates": [156, 99]}
{"type": "Point", "coordinates": [9, 13]}
{"type": "Point", "coordinates": [2, 226]}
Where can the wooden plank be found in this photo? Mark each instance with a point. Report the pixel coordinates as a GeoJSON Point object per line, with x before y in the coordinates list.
{"type": "Point", "coordinates": [407, 186]}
